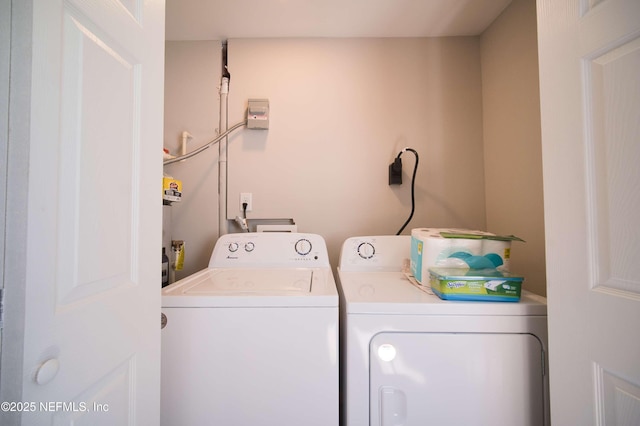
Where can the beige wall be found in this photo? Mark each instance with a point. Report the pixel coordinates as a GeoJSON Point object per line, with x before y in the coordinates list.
{"type": "Point", "coordinates": [192, 79]}
{"type": "Point", "coordinates": [512, 142]}
{"type": "Point", "coordinates": [341, 110]}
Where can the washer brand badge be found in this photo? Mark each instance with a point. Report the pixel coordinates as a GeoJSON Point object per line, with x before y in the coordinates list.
{"type": "Point", "coordinates": [456, 284]}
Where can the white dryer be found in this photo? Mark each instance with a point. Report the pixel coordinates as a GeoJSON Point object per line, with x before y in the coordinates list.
{"type": "Point", "coordinates": [409, 358]}
{"type": "Point", "coordinates": [253, 339]}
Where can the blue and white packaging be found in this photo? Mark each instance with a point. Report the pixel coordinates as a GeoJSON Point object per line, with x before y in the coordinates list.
{"type": "Point", "coordinates": [457, 248]}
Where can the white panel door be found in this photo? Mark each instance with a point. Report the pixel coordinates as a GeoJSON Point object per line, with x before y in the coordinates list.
{"type": "Point", "coordinates": [590, 105]}
{"type": "Point", "coordinates": [92, 335]}
{"type": "Point", "coordinates": [456, 379]}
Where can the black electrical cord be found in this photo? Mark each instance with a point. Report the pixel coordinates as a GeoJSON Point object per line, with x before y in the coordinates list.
{"type": "Point", "coordinates": [413, 184]}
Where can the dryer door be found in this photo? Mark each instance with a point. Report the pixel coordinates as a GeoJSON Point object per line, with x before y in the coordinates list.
{"type": "Point", "coordinates": [456, 379]}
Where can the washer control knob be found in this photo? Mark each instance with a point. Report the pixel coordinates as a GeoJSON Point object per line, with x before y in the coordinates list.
{"type": "Point", "coordinates": [233, 247]}
{"type": "Point", "coordinates": [366, 250]}
{"type": "Point", "coordinates": [303, 246]}
{"type": "Point", "coordinates": [248, 247]}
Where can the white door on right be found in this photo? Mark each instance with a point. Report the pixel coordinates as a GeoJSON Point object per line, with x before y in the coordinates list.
{"type": "Point", "coordinates": [589, 53]}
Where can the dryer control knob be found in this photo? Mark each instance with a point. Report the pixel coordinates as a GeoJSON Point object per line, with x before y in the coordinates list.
{"type": "Point", "coordinates": [233, 247]}
{"type": "Point", "coordinates": [303, 246]}
{"type": "Point", "coordinates": [366, 250]}
{"type": "Point", "coordinates": [249, 247]}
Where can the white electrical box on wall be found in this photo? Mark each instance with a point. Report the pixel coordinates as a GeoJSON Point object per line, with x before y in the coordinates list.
{"type": "Point", "coordinates": [258, 114]}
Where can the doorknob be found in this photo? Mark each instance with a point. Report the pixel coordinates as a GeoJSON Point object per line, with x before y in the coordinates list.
{"type": "Point", "coordinates": [47, 371]}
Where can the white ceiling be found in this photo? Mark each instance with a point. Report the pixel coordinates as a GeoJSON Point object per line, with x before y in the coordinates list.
{"type": "Point", "coordinates": [224, 19]}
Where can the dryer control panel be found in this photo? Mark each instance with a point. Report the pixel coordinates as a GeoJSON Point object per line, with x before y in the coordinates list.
{"type": "Point", "coordinates": [375, 253]}
{"type": "Point", "coordinates": [270, 249]}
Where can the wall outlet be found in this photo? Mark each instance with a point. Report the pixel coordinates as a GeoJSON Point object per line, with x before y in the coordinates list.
{"type": "Point", "coordinates": [245, 197]}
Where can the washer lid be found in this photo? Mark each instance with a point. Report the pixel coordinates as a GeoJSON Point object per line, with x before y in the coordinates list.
{"type": "Point", "coordinates": [250, 281]}
{"type": "Point", "coordinates": [215, 287]}
{"type": "Point", "coordinates": [393, 293]}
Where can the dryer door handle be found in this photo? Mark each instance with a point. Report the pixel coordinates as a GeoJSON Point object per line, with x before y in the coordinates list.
{"type": "Point", "coordinates": [393, 406]}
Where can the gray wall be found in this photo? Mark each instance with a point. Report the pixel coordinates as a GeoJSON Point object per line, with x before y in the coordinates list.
{"type": "Point", "coordinates": [192, 79]}
{"type": "Point", "coordinates": [512, 141]}
{"type": "Point", "coordinates": [342, 109]}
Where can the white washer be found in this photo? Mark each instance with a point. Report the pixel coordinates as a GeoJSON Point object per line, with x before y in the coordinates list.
{"type": "Point", "coordinates": [410, 358]}
{"type": "Point", "coordinates": [253, 339]}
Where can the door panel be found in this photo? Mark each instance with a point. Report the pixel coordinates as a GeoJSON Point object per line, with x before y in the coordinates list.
{"type": "Point", "coordinates": [97, 208]}
{"type": "Point", "coordinates": [456, 379]}
{"type": "Point", "coordinates": [92, 336]}
{"type": "Point", "coordinates": [612, 97]}
{"type": "Point", "coordinates": [589, 55]}
{"type": "Point", "coordinates": [107, 402]}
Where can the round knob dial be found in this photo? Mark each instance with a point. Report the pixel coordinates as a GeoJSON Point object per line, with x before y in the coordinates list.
{"type": "Point", "coordinates": [303, 246]}
{"type": "Point", "coordinates": [233, 247]}
{"type": "Point", "coordinates": [248, 247]}
{"type": "Point", "coordinates": [47, 371]}
{"type": "Point", "coordinates": [366, 250]}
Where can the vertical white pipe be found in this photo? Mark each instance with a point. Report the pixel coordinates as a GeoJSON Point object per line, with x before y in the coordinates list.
{"type": "Point", "coordinates": [222, 160]}
{"type": "Point", "coordinates": [185, 138]}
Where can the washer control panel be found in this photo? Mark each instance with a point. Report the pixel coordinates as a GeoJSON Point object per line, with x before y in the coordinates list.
{"type": "Point", "coordinates": [248, 246]}
{"type": "Point", "coordinates": [277, 249]}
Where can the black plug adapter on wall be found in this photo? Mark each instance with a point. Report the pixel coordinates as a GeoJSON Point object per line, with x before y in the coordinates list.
{"type": "Point", "coordinates": [395, 172]}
